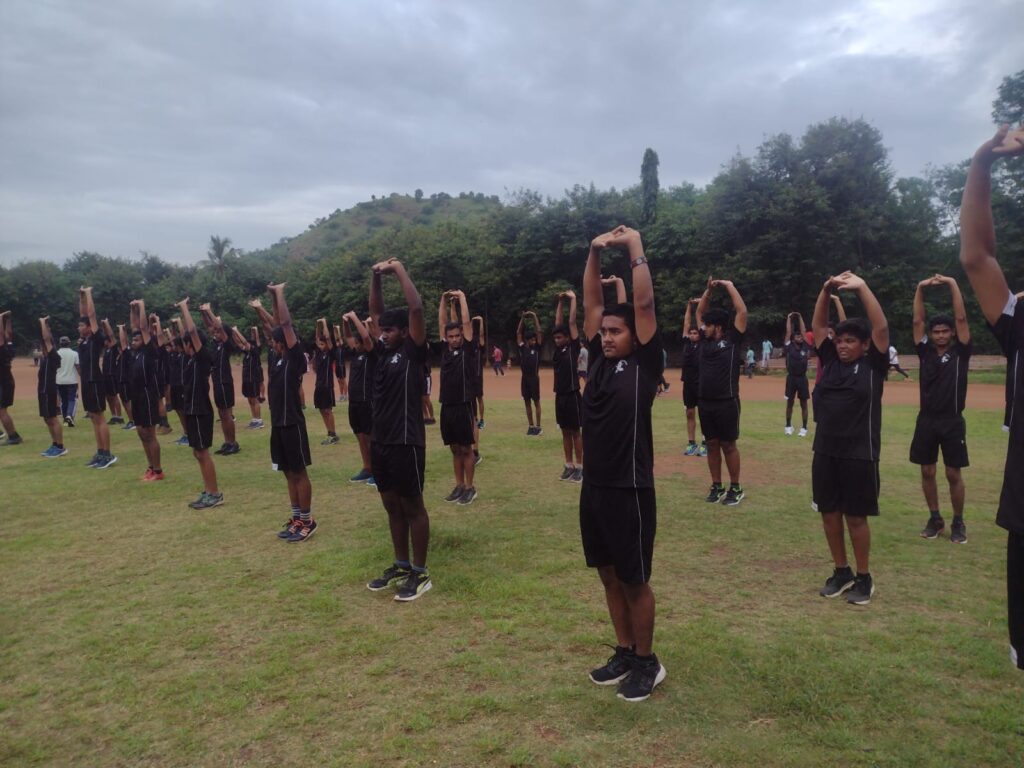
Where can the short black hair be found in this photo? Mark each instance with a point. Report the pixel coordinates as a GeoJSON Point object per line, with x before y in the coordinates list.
{"type": "Point", "coordinates": [394, 318]}
{"type": "Point", "coordinates": [529, 335]}
{"type": "Point", "coordinates": [941, 320]}
{"type": "Point", "coordinates": [716, 316]}
{"type": "Point", "coordinates": [561, 328]}
{"type": "Point", "coordinates": [278, 334]}
{"type": "Point", "coordinates": [451, 326]}
{"type": "Point", "coordinates": [136, 332]}
{"type": "Point", "coordinates": [625, 311]}
{"type": "Point", "coordinates": [856, 327]}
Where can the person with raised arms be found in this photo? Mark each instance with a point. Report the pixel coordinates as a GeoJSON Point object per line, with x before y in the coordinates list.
{"type": "Point", "coordinates": [719, 405]}
{"type": "Point", "coordinates": [530, 343]}
{"type": "Point", "coordinates": [111, 355]}
{"type": "Point", "coordinates": [124, 373]}
{"type": "Point", "coordinates": [691, 380]}
{"type": "Point", "coordinates": [568, 403]}
{"type": "Point", "coordinates": [459, 372]}
{"type": "Point", "coordinates": [363, 363]}
{"type": "Point", "coordinates": [324, 359]}
{"type": "Point", "coordinates": [397, 449]}
{"type": "Point", "coordinates": [945, 354]}
{"type": "Point", "coordinates": [844, 473]}
{"type": "Point", "coordinates": [252, 375]}
{"type": "Point", "coordinates": [223, 379]}
{"type": "Point", "coordinates": [618, 511]}
{"type": "Point", "coordinates": [176, 381]}
{"type": "Point", "coordinates": [340, 358]}
{"type": "Point", "coordinates": [480, 334]}
{"type": "Point", "coordinates": [90, 353]}
{"type": "Point", "coordinates": [797, 351]}
{"type": "Point", "coordinates": [1005, 316]}
{"type": "Point", "coordinates": [49, 409]}
{"type": "Point", "coordinates": [7, 380]}
{"type": "Point", "coordinates": [145, 386]}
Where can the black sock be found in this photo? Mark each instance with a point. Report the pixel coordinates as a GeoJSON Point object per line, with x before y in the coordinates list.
{"type": "Point", "coordinates": [734, 485]}
{"type": "Point", "coordinates": [692, 442]}
{"type": "Point", "coordinates": [936, 515]}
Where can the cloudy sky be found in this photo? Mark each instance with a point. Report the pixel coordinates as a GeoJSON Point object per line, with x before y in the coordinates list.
{"type": "Point", "coordinates": [137, 125]}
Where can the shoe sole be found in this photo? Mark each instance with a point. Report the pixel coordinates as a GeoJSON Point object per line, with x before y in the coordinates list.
{"type": "Point", "coordinates": [422, 591]}
{"type": "Point", "coordinates": [954, 541]}
{"type": "Point", "coordinates": [866, 601]}
{"type": "Point", "coordinates": [613, 681]}
{"type": "Point", "coordinates": [353, 480]}
{"type": "Point", "coordinates": [843, 589]}
{"type": "Point", "coordinates": [657, 681]}
{"type": "Point", "coordinates": [112, 462]}
{"type": "Point", "coordinates": [298, 540]}
{"type": "Point", "coordinates": [462, 503]}
{"type": "Point", "coordinates": [932, 538]}
{"type": "Point", "coordinates": [735, 502]}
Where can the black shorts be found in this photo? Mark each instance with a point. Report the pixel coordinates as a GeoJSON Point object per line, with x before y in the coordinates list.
{"type": "Point", "coordinates": [224, 394]}
{"type": "Point", "coordinates": [478, 387]}
{"type": "Point", "coordinates": [617, 526]}
{"type": "Point", "coordinates": [145, 406]}
{"type": "Point", "coordinates": [569, 410]}
{"type": "Point", "coordinates": [110, 387]}
{"type": "Point", "coordinates": [48, 406]}
{"type": "Point", "coordinates": [1015, 594]}
{"type": "Point", "coordinates": [94, 396]}
{"type": "Point", "coordinates": [1011, 499]}
{"type": "Point", "coordinates": [177, 398]}
{"type": "Point", "coordinates": [122, 390]}
{"type": "Point", "coordinates": [398, 468]}
{"type": "Point", "coordinates": [457, 421]}
{"type": "Point", "coordinates": [200, 431]}
{"type": "Point", "coordinates": [6, 391]}
{"type": "Point", "coordinates": [691, 394]}
{"type": "Point", "coordinates": [360, 417]}
{"type": "Point", "coordinates": [251, 388]}
{"type": "Point", "coordinates": [932, 433]}
{"type": "Point", "coordinates": [720, 419]}
{"type": "Point", "coordinates": [849, 486]}
{"type": "Point", "coordinates": [323, 398]}
{"type": "Point", "coordinates": [529, 388]}
{"type": "Point", "coordinates": [289, 448]}
{"type": "Point", "coordinates": [796, 386]}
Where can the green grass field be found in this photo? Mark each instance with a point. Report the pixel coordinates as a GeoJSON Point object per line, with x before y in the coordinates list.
{"type": "Point", "coordinates": [136, 632]}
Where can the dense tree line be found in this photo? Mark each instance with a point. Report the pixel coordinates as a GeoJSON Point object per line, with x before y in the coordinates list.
{"type": "Point", "coordinates": [776, 223]}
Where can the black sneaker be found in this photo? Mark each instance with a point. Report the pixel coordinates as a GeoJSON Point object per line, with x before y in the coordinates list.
{"type": "Point", "coordinates": [836, 584]}
{"type": "Point", "coordinates": [958, 534]}
{"type": "Point", "coordinates": [715, 494]}
{"type": "Point", "coordinates": [208, 501]}
{"type": "Point", "coordinates": [305, 530]}
{"type": "Point", "coordinates": [531, 431]}
{"type": "Point", "coordinates": [415, 584]}
{"type": "Point", "coordinates": [933, 528]}
{"type": "Point", "coordinates": [94, 460]}
{"type": "Point", "coordinates": [618, 666]}
{"type": "Point", "coordinates": [577, 475]}
{"type": "Point", "coordinates": [863, 589]}
{"type": "Point", "coordinates": [567, 472]}
{"type": "Point", "coordinates": [733, 496]}
{"type": "Point", "coordinates": [290, 527]}
{"type": "Point", "coordinates": [224, 448]}
{"type": "Point", "coordinates": [230, 449]}
{"type": "Point", "coordinates": [392, 575]}
{"type": "Point", "coordinates": [456, 493]}
{"type": "Point", "coordinates": [467, 496]}
{"type": "Point", "coordinates": [642, 680]}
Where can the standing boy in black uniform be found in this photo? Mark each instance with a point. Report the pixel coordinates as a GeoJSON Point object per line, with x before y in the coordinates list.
{"type": "Point", "coordinates": [90, 353]}
{"type": "Point", "coordinates": [1005, 316]}
{"type": "Point", "coordinates": [691, 380]}
{"type": "Point", "coordinates": [797, 352]}
{"type": "Point", "coordinates": [197, 406]}
{"type": "Point", "coordinates": [176, 384]}
{"type": "Point", "coordinates": [568, 403]}
{"type": "Point", "coordinates": [398, 445]}
{"type": "Point", "coordinates": [940, 422]}
{"type": "Point", "coordinates": [618, 512]}
{"type": "Point", "coordinates": [459, 360]}
{"type": "Point", "coordinates": [110, 374]}
{"type": "Point", "coordinates": [252, 377]}
{"type": "Point", "coordinates": [480, 334]}
{"type": "Point", "coordinates": [720, 363]}
{"type": "Point", "coordinates": [362, 370]}
{"type": "Point", "coordinates": [530, 344]}
{"type": "Point", "coordinates": [7, 379]}
{"type": "Point", "coordinates": [145, 385]}
{"type": "Point", "coordinates": [223, 379]}
{"type": "Point", "coordinates": [323, 389]}
{"type": "Point", "coordinates": [844, 473]}
{"type": "Point", "coordinates": [49, 409]}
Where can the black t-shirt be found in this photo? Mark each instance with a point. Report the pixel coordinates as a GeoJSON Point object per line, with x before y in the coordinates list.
{"type": "Point", "coordinates": [175, 368]}
{"type": "Point", "coordinates": [361, 375]}
{"type": "Point", "coordinates": [720, 363]}
{"type": "Point", "coordinates": [90, 354]}
{"type": "Point", "coordinates": [6, 356]}
{"type": "Point", "coordinates": [566, 377]}
{"type": "Point", "coordinates": [340, 353]}
{"type": "Point", "coordinates": [796, 357]}
{"type": "Point", "coordinates": [145, 364]}
{"type": "Point", "coordinates": [458, 371]}
{"type": "Point", "coordinates": [944, 378]}
{"type": "Point", "coordinates": [252, 365]}
{"type": "Point", "coordinates": [529, 361]}
{"type": "Point", "coordinates": [617, 437]}
{"type": "Point", "coordinates": [222, 361]}
{"type": "Point", "coordinates": [323, 365]}
{"type": "Point", "coordinates": [285, 380]}
{"type": "Point", "coordinates": [398, 388]}
{"type": "Point", "coordinates": [124, 366]}
{"type": "Point", "coordinates": [691, 362]}
{"type": "Point", "coordinates": [165, 365]}
{"type": "Point", "coordinates": [49, 364]}
{"type": "Point", "coordinates": [196, 376]}
{"type": "Point", "coordinates": [1009, 330]}
{"type": "Point", "coordinates": [849, 404]}
{"type": "Point", "coordinates": [110, 363]}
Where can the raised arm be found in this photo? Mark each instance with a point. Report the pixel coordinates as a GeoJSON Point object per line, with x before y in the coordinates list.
{"type": "Point", "coordinates": [210, 320]}
{"type": "Point", "coordinates": [108, 331]}
{"type": "Point", "coordinates": [265, 318]}
{"type": "Point", "coordinates": [789, 328]}
{"type": "Point", "coordinates": [519, 330]}
{"type": "Point", "coordinates": [558, 310]}
{"type": "Point", "coordinates": [620, 289]}
{"type": "Point", "coordinates": [442, 314]}
{"type": "Point", "coordinates": [840, 311]}
{"type": "Point", "coordinates": [702, 305]}
{"type": "Point", "coordinates": [574, 332]}
{"type": "Point", "coordinates": [963, 328]}
{"type": "Point", "coordinates": [879, 325]}
{"type": "Point", "coordinates": [156, 331]}
{"type": "Point", "coordinates": [417, 326]}
{"type": "Point", "coordinates": [122, 337]}
{"type": "Point", "coordinates": [360, 329]}
{"type": "Point", "coordinates": [977, 231]}
{"type": "Point", "coordinates": [189, 324]}
{"type": "Point", "coordinates": [87, 308]}
{"type": "Point", "coordinates": [141, 321]}
{"type": "Point", "coordinates": [920, 317]}
{"type": "Point", "coordinates": [803, 328]}
{"type": "Point", "coordinates": [45, 335]}
{"type": "Point", "coordinates": [593, 292]}
{"type": "Point", "coordinates": [481, 336]}
{"type": "Point", "coordinates": [240, 341]}
{"type": "Point", "coordinates": [688, 317]}
{"type": "Point", "coordinates": [284, 317]}
{"type": "Point", "coordinates": [536, 327]}
{"type": "Point", "coordinates": [819, 321]}
{"type": "Point", "coordinates": [643, 284]}
{"type": "Point", "coordinates": [467, 319]}
{"type": "Point", "coordinates": [740, 321]}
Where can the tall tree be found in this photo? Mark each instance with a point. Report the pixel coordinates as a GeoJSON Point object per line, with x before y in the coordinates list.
{"type": "Point", "coordinates": [649, 187]}
{"type": "Point", "coordinates": [218, 254]}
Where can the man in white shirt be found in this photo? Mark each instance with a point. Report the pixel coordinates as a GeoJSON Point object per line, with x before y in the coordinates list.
{"type": "Point", "coordinates": [67, 380]}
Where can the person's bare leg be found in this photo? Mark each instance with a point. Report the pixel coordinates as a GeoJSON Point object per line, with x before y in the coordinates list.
{"type": "Point", "coordinates": [457, 467]}
{"type": "Point", "coordinates": [8, 422]}
{"type": "Point", "coordinates": [732, 460]}
{"type": "Point", "coordinates": [529, 411]}
{"type": "Point", "coordinates": [618, 607]}
{"type": "Point", "coordinates": [364, 449]}
{"type": "Point", "coordinates": [957, 490]}
{"type": "Point", "coordinates": [100, 430]}
{"type": "Point", "coordinates": [929, 486]}
{"type": "Point", "coordinates": [833, 525]}
{"type": "Point", "coordinates": [468, 465]}
{"type": "Point", "coordinates": [56, 427]}
{"type": "Point", "coordinates": [208, 470]}
{"type": "Point", "coordinates": [789, 412]}
{"type": "Point", "coordinates": [398, 525]}
{"type": "Point", "coordinates": [567, 445]}
{"type": "Point", "coordinates": [640, 598]}
{"type": "Point", "coordinates": [860, 537]}
{"type": "Point", "coordinates": [536, 405]}
{"type": "Point", "coordinates": [715, 460]}
{"type": "Point", "coordinates": [691, 424]}
{"type": "Point", "coordinates": [419, 528]}
{"type": "Point", "coordinates": [577, 443]}
{"type": "Point", "coordinates": [227, 424]}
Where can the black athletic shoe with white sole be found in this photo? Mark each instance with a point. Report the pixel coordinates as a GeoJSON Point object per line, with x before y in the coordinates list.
{"type": "Point", "coordinates": [933, 528]}
{"type": "Point", "coordinates": [863, 589]}
{"type": "Point", "coordinates": [958, 534]}
{"type": "Point", "coordinates": [617, 667]}
{"type": "Point", "coordinates": [839, 582]}
{"type": "Point", "coordinates": [415, 585]}
{"type": "Point", "coordinates": [393, 574]}
{"type": "Point", "coordinates": [733, 496]}
{"type": "Point", "coordinates": [715, 494]}
{"type": "Point", "coordinates": [645, 676]}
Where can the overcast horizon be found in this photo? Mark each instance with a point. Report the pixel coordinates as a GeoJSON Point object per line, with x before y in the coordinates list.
{"type": "Point", "coordinates": [129, 127]}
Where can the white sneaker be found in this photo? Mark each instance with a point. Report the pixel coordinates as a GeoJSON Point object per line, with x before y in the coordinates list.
{"type": "Point", "coordinates": [789, 430]}
{"type": "Point", "coordinates": [803, 432]}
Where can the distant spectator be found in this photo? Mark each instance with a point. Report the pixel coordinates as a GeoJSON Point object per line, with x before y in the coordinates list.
{"type": "Point", "coordinates": [67, 381]}
{"type": "Point", "coordinates": [766, 353]}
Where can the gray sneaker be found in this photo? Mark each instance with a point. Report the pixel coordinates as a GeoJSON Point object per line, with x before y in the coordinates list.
{"type": "Point", "coordinates": [467, 496]}
{"type": "Point", "coordinates": [577, 475]}
{"type": "Point", "coordinates": [208, 500]}
{"type": "Point", "coordinates": [456, 493]}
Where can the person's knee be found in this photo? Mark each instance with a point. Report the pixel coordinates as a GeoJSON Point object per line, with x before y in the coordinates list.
{"type": "Point", "coordinates": [953, 475]}
{"type": "Point", "coordinates": [728, 446]}
{"type": "Point", "coordinates": [927, 471]}
{"type": "Point", "coordinates": [856, 523]}
{"type": "Point", "coordinates": [607, 575]}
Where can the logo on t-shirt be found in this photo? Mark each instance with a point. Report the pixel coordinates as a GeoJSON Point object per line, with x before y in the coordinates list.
{"type": "Point", "coordinates": [620, 366]}
{"type": "Point", "coordinates": [945, 358]}
{"type": "Point", "coordinates": [721, 345]}
{"type": "Point", "coordinates": [856, 368]}
{"type": "Point", "coordinates": [396, 358]}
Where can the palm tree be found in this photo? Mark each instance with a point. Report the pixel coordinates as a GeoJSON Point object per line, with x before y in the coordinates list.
{"type": "Point", "coordinates": [218, 254]}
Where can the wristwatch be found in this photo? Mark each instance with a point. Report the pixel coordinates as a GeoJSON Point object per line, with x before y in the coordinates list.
{"type": "Point", "coordinates": [637, 262]}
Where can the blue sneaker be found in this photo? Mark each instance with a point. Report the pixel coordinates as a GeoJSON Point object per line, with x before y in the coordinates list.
{"type": "Point", "coordinates": [371, 482]}
{"type": "Point", "coordinates": [363, 476]}
{"type": "Point", "coordinates": [691, 450]}
{"type": "Point", "coordinates": [183, 440]}
{"type": "Point", "coordinates": [93, 461]}
{"type": "Point", "coordinates": [105, 461]}
{"type": "Point", "coordinates": [53, 452]}
{"type": "Point", "coordinates": [129, 426]}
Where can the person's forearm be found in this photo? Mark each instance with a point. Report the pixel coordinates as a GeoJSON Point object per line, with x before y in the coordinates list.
{"type": "Point", "coordinates": [376, 296]}
{"type": "Point", "coordinates": [873, 310]}
{"type": "Point", "coordinates": [702, 306]}
{"type": "Point", "coordinates": [442, 320]}
{"type": "Point", "coordinates": [977, 230]}
{"type": "Point", "coordinates": [919, 315]}
{"type": "Point", "coordinates": [593, 292]}
{"type": "Point", "coordinates": [643, 284]}
{"type": "Point", "coordinates": [558, 312]}
{"type": "Point", "coordinates": [819, 321]}
{"type": "Point", "coordinates": [737, 303]}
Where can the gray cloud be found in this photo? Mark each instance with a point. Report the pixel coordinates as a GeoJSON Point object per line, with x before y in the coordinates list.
{"type": "Point", "coordinates": [128, 126]}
